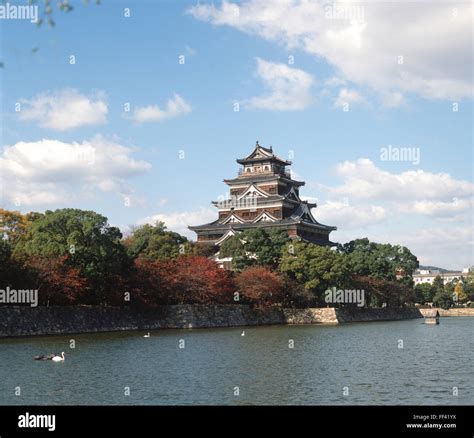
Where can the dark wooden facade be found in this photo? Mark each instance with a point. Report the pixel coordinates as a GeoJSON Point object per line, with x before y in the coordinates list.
{"type": "Point", "coordinates": [264, 195]}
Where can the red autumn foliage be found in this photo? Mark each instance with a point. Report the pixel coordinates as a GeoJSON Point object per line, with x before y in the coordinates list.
{"type": "Point", "coordinates": [57, 283]}
{"type": "Point", "coordinates": [260, 286]}
{"type": "Point", "coordinates": [148, 282]}
{"type": "Point", "coordinates": [199, 280]}
{"type": "Point", "coordinates": [185, 280]}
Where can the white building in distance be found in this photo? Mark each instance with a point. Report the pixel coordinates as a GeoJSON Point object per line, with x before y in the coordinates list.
{"type": "Point", "coordinates": [427, 276]}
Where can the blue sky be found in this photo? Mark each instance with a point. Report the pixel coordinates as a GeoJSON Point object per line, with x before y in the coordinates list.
{"type": "Point", "coordinates": [293, 70]}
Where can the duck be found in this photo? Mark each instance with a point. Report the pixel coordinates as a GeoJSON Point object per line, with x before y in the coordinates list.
{"type": "Point", "coordinates": [59, 358]}
{"type": "Point", "coordinates": [44, 357]}
{"type": "Point", "coordinates": [243, 333]}
{"type": "Point", "coordinates": [147, 335]}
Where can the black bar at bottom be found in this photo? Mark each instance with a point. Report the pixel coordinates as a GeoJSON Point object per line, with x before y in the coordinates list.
{"type": "Point", "coordinates": [137, 421]}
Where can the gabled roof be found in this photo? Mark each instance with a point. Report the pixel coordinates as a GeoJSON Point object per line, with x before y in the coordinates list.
{"type": "Point", "coordinates": [264, 216]}
{"type": "Point", "coordinates": [252, 189]}
{"type": "Point", "coordinates": [292, 195]}
{"type": "Point", "coordinates": [262, 154]}
{"type": "Point", "coordinates": [226, 236]}
{"type": "Point", "coordinates": [303, 213]}
{"type": "Point", "coordinates": [232, 218]}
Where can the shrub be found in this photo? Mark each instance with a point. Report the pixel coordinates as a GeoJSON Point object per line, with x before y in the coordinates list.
{"type": "Point", "coordinates": [379, 291]}
{"type": "Point", "coordinates": [259, 286]}
{"type": "Point", "coordinates": [186, 280]}
{"type": "Point", "coordinates": [56, 281]}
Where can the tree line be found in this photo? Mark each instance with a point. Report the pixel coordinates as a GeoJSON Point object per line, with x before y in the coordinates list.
{"type": "Point", "coordinates": [75, 257]}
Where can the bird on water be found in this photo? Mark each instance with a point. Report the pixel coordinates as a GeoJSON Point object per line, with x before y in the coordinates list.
{"type": "Point", "coordinates": [53, 357]}
{"type": "Point", "coordinates": [59, 358]}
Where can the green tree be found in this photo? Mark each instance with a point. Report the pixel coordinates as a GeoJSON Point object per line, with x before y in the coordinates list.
{"type": "Point", "coordinates": [468, 284]}
{"type": "Point", "coordinates": [235, 247]}
{"type": "Point", "coordinates": [13, 230]}
{"type": "Point", "coordinates": [443, 299]}
{"type": "Point", "coordinates": [424, 293]}
{"type": "Point", "coordinates": [255, 247]}
{"type": "Point", "coordinates": [381, 261]}
{"type": "Point", "coordinates": [6, 264]}
{"type": "Point", "coordinates": [89, 242]}
{"type": "Point", "coordinates": [442, 296]}
{"type": "Point", "coordinates": [318, 268]}
{"type": "Point", "coordinates": [437, 286]}
{"type": "Point", "coordinates": [155, 242]}
{"type": "Point", "coordinates": [13, 225]}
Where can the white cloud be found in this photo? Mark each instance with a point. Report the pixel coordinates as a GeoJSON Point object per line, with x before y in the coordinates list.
{"type": "Point", "coordinates": [438, 208]}
{"type": "Point", "coordinates": [348, 97]}
{"type": "Point", "coordinates": [176, 106]}
{"type": "Point", "coordinates": [349, 216]}
{"type": "Point", "coordinates": [363, 180]}
{"type": "Point", "coordinates": [51, 171]}
{"type": "Point", "coordinates": [179, 221]}
{"type": "Point", "coordinates": [446, 247]}
{"type": "Point", "coordinates": [430, 213]}
{"type": "Point", "coordinates": [289, 88]}
{"type": "Point", "coordinates": [64, 109]}
{"type": "Point", "coordinates": [334, 82]}
{"type": "Point", "coordinates": [393, 99]}
{"type": "Point", "coordinates": [422, 48]}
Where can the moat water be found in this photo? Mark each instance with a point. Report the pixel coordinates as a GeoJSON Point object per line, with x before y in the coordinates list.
{"type": "Point", "coordinates": [353, 364]}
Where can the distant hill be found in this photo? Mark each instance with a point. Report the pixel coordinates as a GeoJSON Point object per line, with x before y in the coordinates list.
{"type": "Point", "coordinates": [433, 268]}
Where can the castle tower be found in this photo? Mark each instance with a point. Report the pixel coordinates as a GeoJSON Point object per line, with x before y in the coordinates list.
{"type": "Point", "coordinates": [264, 195]}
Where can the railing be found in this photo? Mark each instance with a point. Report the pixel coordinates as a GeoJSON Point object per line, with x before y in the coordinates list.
{"type": "Point", "coordinates": [285, 172]}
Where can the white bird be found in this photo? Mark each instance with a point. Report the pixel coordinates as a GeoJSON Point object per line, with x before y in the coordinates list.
{"type": "Point", "coordinates": [147, 335]}
{"type": "Point", "coordinates": [58, 358]}
{"type": "Point", "coordinates": [243, 333]}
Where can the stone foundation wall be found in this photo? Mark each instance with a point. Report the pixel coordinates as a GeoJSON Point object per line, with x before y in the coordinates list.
{"type": "Point", "coordinates": [28, 321]}
{"type": "Point", "coordinates": [25, 321]}
{"type": "Point", "coordinates": [311, 316]}
{"type": "Point", "coordinates": [383, 314]}
{"type": "Point", "coordinates": [463, 311]}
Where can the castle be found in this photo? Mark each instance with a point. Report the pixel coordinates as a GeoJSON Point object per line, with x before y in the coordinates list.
{"type": "Point", "coordinates": [264, 195]}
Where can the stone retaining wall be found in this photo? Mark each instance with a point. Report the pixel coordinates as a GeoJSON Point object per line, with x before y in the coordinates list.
{"type": "Point", "coordinates": [28, 321]}
{"type": "Point", "coordinates": [462, 311]}
{"type": "Point", "coordinates": [383, 314]}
